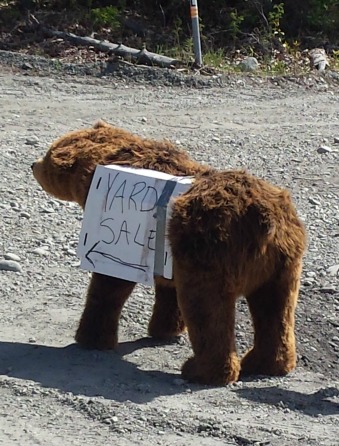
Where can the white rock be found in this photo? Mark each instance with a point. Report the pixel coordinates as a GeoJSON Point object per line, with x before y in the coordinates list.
{"type": "Point", "coordinates": [40, 251]}
{"type": "Point", "coordinates": [333, 270]}
{"type": "Point", "coordinates": [25, 215]}
{"type": "Point", "coordinates": [314, 201]}
{"type": "Point", "coordinates": [11, 256]}
{"type": "Point", "coordinates": [249, 64]}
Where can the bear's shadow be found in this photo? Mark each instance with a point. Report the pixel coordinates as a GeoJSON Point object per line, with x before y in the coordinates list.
{"type": "Point", "coordinates": [323, 401]}
{"type": "Point", "coordinates": [88, 372]}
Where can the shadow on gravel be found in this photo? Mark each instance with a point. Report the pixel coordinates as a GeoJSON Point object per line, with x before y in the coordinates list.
{"type": "Point", "coordinates": [88, 372]}
{"type": "Point", "coordinates": [314, 404]}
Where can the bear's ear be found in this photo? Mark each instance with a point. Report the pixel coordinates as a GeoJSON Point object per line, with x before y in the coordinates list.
{"type": "Point", "coordinates": [64, 158]}
{"type": "Point", "coordinates": [101, 123]}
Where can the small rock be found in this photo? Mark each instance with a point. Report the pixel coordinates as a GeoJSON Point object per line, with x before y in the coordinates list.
{"type": "Point", "coordinates": [328, 289]}
{"type": "Point", "coordinates": [333, 270]}
{"type": "Point", "coordinates": [26, 66]}
{"type": "Point", "coordinates": [32, 340]}
{"type": "Point", "coordinates": [308, 282]}
{"type": "Point", "coordinates": [32, 141]}
{"type": "Point", "coordinates": [314, 201]}
{"type": "Point", "coordinates": [10, 256]}
{"type": "Point", "coordinates": [249, 64]}
{"type": "Point", "coordinates": [45, 210]}
{"type": "Point", "coordinates": [336, 140]}
{"type": "Point", "coordinates": [324, 149]}
{"type": "Point", "coordinates": [25, 215]}
{"type": "Point", "coordinates": [10, 265]}
{"type": "Point", "coordinates": [216, 139]}
{"type": "Point", "coordinates": [143, 119]}
{"type": "Point", "coordinates": [311, 274]}
{"type": "Point", "coordinates": [40, 251]}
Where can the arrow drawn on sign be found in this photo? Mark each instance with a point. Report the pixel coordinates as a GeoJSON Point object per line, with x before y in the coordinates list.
{"type": "Point", "coordinates": [112, 258]}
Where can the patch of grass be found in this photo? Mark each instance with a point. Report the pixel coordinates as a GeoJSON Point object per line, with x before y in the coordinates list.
{"type": "Point", "coordinates": [107, 16]}
{"type": "Point", "coordinates": [215, 58]}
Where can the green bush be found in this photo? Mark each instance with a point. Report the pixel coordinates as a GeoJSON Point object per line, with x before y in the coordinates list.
{"type": "Point", "coordinates": [224, 23]}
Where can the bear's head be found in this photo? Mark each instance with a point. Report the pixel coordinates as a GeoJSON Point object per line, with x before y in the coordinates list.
{"type": "Point", "coordinates": [67, 169]}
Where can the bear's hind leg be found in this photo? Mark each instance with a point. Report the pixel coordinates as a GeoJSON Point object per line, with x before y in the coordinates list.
{"type": "Point", "coordinates": [209, 312]}
{"type": "Point", "coordinates": [98, 327]}
{"type": "Point", "coordinates": [272, 308]}
{"type": "Point", "coordinates": [166, 321]}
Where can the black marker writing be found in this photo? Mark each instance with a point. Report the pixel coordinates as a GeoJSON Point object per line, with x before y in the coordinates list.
{"type": "Point", "coordinates": [151, 237]}
{"type": "Point", "coordinates": [123, 230]}
{"type": "Point", "coordinates": [115, 259]}
{"type": "Point", "coordinates": [103, 225]}
{"type": "Point", "coordinates": [137, 189]}
{"type": "Point", "coordinates": [122, 189]}
{"type": "Point", "coordinates": [109, 187]}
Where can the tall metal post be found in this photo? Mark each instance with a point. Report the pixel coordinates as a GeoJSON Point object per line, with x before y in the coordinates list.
{"type": "Point", "coordinates": [196, 32]}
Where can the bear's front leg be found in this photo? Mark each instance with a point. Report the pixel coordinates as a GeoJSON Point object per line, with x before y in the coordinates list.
{"type": "Point", "coordinates": [208, 309]}
{"type": "Point", "coordinates": [166, 321]}
{"type": "Point", "coordinates": [272, 308]}
{"type": "Point", "coordinates": [98, 327]}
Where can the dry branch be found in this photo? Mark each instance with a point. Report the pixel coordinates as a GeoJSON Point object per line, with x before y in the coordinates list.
{"type": "Point", "coordinates": [134, 55]}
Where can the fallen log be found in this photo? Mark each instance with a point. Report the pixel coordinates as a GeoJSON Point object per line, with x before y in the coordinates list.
{"type": "Point", "coordinates": [143, 56]}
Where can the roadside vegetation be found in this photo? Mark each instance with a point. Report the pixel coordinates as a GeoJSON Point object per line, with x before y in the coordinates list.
{"type": "Point", "coordinates": [279, 33]}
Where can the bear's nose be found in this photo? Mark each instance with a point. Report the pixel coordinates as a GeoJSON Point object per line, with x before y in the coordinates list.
{"type": "Point", "coordinates": [32, 166]}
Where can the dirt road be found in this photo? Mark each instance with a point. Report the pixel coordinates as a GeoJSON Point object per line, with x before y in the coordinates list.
{"type": "Point", "coordinates": [54, 393]}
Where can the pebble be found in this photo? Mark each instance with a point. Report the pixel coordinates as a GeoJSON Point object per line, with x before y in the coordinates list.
{"type": "Point", "coordinates": [324, 149]}
{"type": "Point", "coordinates": [249, 64]}
{"type": "Point", "coordinates": [40, 251]}
{"type": "Point", "coordinates": [26, 66]}
{"type": "Point", "coordinates": [10, 256]}
{"type": "Point", "coordinates": [32, 141]}
{"type": "Point", "coordinates": [10, 265]}
{"type": "Point", "coordinates": [311, 274]}
{"type": "Point", "coordinates": [336, 140]}
{"type": "Point", "coordinates": [47, 210]}
{"type": "Point", "coordinates": [314, 201]}
{"type": "Point", "coordinates": [328, 289]}
{"type": "Point", "coordinates": [25, 215]}
{"type": "Point", "coordinates": [143, 119]}
{"type": "Point", "coordinates": [333, 270]}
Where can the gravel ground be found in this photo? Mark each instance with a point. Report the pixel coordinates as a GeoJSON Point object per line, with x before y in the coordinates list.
{"type": "Point", "coordinates": [51, 391]}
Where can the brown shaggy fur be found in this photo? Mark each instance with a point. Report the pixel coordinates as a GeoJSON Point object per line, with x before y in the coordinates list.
{"type": "Point", "coordinates": [231, 235]}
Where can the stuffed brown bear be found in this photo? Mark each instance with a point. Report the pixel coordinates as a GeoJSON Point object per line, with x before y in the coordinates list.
{"type": "Point", "coordinates": [231, 235]}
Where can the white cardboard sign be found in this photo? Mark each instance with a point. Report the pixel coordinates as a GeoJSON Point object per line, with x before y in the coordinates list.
{"type": "Point", "coordinates": [123, 232]}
